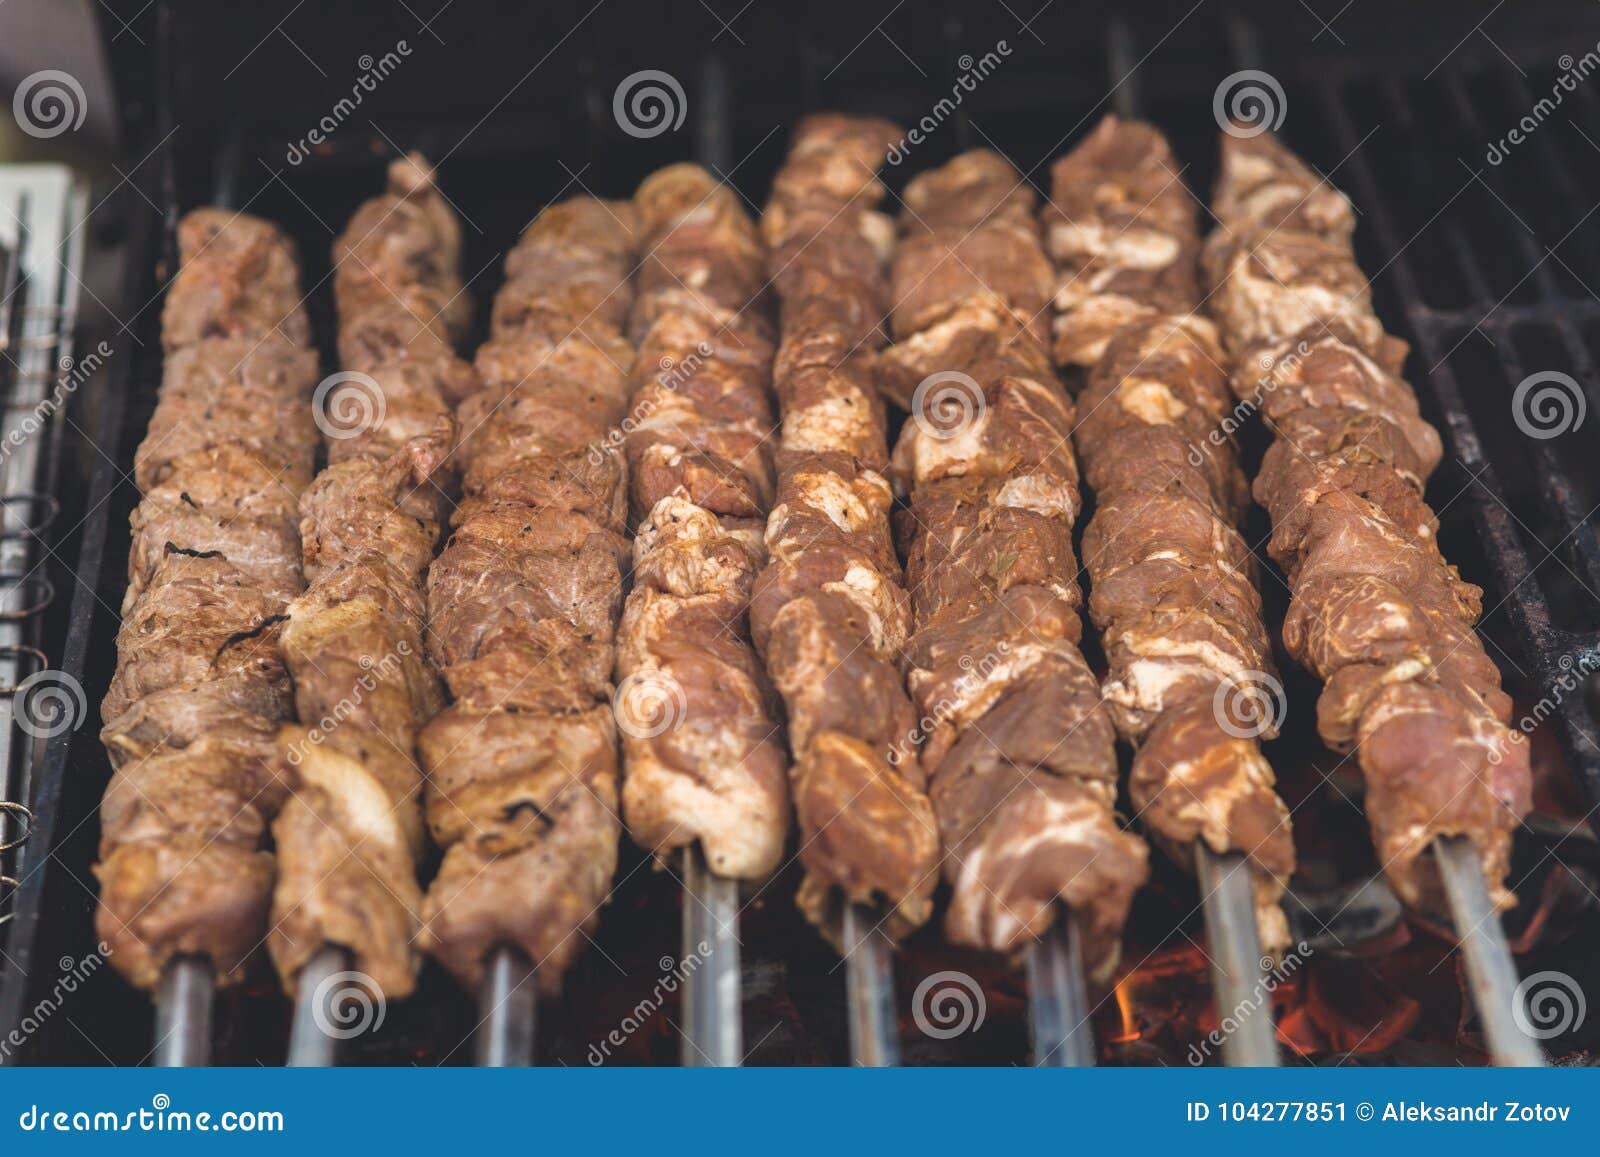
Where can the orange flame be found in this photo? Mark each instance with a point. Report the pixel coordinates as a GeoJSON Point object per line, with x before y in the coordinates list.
{"type": "Point", "coordinates": [1130, 1021]}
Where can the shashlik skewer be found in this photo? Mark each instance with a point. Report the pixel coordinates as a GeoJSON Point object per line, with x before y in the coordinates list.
{"type": "Point", "coordinates": [349, 835]}
{"type": "Point", "coordinates": [831, 614]}
{"type": "Point", "coordinates": [703, 755]}
{"type": "Point", "coordinates": [1174, 589]}
{"type": "Point", "coordinates": [1058, 1000]}
{"type": "Point", "coordinates": [522, 611]}
{"type": "Point", "coordinates": [1376, 612]}
{"type": "Point", "coordinates": [191, 716]}
{"type": "Point", "coordinates": [1021, 757]}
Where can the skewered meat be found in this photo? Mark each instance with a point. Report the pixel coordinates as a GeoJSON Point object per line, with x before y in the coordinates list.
{"type": "Point", "coordinates": [523, 605]}
{"type": "Point", "coordinates": [702, 751]}
{"type": "Point", "coordinates": [830, 614]}
{"type": "Point", "coordinates": [1021, 757]}
{"type": "Point", "coordinates": [350, 832]}
{"type": "Point", "coordinates": [1190, 682]}
{"type": "Point", "coordinates": [1121, 228]}
{"type": "Point", "coordinates": [1377, 613]}
{"type": "Point", "coordinates": [191, 716]}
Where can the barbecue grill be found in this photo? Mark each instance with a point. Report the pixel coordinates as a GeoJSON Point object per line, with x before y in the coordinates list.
{"type": "Point", "coordinates": [1486, 265]}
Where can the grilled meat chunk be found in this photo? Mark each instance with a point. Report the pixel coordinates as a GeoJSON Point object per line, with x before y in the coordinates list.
{"type": "Point", "coordinates": [703, 755]}
{"type": "Point", "coordinates": [1376, 612]}
{"type": "Point", "coordinates": [1190, 681]}
{"type": "Point", "coordinates": [830, 614]}
{"type": "Point", "coordinates": [1020, 756]}
{"type": "Point", "coordinates": [202, 683]}
{"type": "Point", "coordinates": [521, 767]}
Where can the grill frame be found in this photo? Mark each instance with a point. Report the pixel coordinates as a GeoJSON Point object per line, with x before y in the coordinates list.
{"type": "Point", "coordinates": [214, 159]}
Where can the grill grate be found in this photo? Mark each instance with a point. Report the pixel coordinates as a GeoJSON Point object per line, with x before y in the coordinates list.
{"type": "Point", "coordinates": [41, 207]}
{"type": "Point", "coordinates": [1549, 648]}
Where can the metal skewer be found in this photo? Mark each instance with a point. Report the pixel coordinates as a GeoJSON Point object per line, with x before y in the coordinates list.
{"type": "Point", "coordinates": [1236, 962]}
{"type": "Point", "coordinates": [869, 983]}
{"type": "Point", "coordinates": [713, 1034]}
{"type": "Point", "coordinates": [1058, 999]}
{"type": "Point", "coordinates": [311, 1046]}
{"type": "Point", "coordinates": [183, 1013]}
{"type": "Point", "coordinates": [508, 1008]}
{"type": "Point", "coordinates": [1224, 880]}
{"type": "Point", "coordinates": [1491, 974]}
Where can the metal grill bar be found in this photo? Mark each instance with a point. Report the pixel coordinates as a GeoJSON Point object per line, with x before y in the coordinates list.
{"type": "Point", "coordinates": [1555, 490]}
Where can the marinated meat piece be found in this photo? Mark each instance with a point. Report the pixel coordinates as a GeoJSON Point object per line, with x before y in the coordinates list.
{"type": "Point", "coordinates": [223, 501]}
{"type": "Point", "coordinates": [200, 619]}
{"type": "Point", "coordinates": [703, 754]}
{"type": "Point", "coordinates": [830, 612]}
{"type": "Point", "coordinates": [1376, 611]}
{"type": "Point", "coordinates": [1279, 284]}
{"type": "Point", "coordinates": [1263, 187]}
{"type": "Point", "coordinates": [1195, 780]}
{"type": "Point", "coordinates": [238, 277]}
{"type": "Point", "coordinates": [243, 392]}
{"type": "Point", "coordinates": [350, 833]}
{"type": "Point", "coordinates": [201, 684]}
{"type": "Point", "coordinates": [521, 768]}
{"type": "Point", "coordinates": [1121, 229]}
{"type": "Point", "coordinates": [195, 882]}
{"type": "Point", "coordinates": [525, 805]}
{"type": "Point", "coordinates": [1189, 677]}
{"type": "Point", "coordinates": [1019, 754]}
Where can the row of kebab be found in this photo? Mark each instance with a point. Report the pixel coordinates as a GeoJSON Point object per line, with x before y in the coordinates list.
{"type": "Point", "coordinates": [650, 562]}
